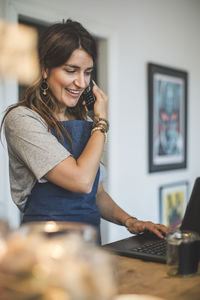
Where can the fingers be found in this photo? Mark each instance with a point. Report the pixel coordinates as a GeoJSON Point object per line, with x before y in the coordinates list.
{"type": "Point", "coordinates": [97, 91]}
{"type": "Point", "coordinates": [163, 228]}
{"type": "Point", "coordinates": [137, 226]}
{"type": "Point", "coordinates": [153, 228]}
{"type": "Point", "coordinates": [140, 226]}
{"type": "Point", "coordinates": [157, 232]}
{"type": "Point", "coordinates": [101, 103]}
{"type": "Point", "coordinates": [157, 229]}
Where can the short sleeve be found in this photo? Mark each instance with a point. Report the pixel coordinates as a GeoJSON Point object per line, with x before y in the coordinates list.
{"type": "Point", "coordinates": [29, 140]}
{"type": "Point", "coordinates": [103, 174]}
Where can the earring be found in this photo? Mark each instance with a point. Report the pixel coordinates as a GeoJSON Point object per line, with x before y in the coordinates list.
{"type": "Point", "coordinates": [44, 87]}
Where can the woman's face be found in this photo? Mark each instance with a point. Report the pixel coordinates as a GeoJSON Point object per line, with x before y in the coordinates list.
{"type": "Point", "coordinates": [68, 81]}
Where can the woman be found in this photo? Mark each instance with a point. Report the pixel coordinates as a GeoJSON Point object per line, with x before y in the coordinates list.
{"type": "Point", "coordinates": [54, 150]}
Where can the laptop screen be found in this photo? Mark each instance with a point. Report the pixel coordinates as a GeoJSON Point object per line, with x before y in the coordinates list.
{"type": "Point", "coordinates": [191, 220]}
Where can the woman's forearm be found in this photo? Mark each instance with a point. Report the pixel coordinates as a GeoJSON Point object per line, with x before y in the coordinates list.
{"type": "Point", "coordinates": [109, 210]}
{"type": "Point", "coordinates": [79, 175]}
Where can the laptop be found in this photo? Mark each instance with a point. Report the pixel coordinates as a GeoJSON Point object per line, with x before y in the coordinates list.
{"type": "Point", "coordinates": [148, 246]}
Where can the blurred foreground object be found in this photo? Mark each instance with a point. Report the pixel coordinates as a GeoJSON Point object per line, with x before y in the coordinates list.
{"type": "Point", "coordinates": [136, 297]}
{"type": "Point", "coordinates": [57, 268]}
{"type": "Point", "coordinates": [58, 228]}
{"type": "Point", "coordinates": [5, 230]}
{"type": "Point", "coordinates": [18, 52]}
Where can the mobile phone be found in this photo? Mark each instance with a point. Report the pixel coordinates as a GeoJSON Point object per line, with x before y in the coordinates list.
{"type": "Point", "coordinates": [89, 97]}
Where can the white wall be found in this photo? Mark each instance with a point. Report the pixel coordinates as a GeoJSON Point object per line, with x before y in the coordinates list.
{"type": "Point", "coordinates": [8, 92]}
{"type": "Point", "coordinates": [163, 32]}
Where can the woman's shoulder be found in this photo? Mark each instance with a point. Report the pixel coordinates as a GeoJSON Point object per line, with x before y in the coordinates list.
{"type": "Point", "coordinates": [23, 115]}
{"type": "Point", "coordinates": [22, 112]}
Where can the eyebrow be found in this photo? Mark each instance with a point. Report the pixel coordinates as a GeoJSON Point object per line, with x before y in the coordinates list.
{"type": "Point", "coordinates": [77, 67]}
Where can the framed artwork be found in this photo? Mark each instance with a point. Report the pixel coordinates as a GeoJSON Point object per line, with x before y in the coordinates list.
{"type": "Point", "coordinates": [167, 96]}
{"type": "Point", "coordinates": [172, 203]}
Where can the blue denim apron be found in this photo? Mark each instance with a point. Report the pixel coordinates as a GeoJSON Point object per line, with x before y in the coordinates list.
{"type": "Point", "coordinates": [49, 202]}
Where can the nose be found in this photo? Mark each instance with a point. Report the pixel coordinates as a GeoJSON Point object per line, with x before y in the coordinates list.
{"type": "Point", "coordinates": [81, 81]}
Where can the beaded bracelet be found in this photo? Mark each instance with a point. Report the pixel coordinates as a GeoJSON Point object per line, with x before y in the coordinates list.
{"type": "Point", "coordinates": [96, 121]}
{"type": "Point", "coordinates": [128, 219]}
{"type": "Point", "coordinates": [101, 130]}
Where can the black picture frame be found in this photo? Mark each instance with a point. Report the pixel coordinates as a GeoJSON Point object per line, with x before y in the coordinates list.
{"type": "Point", "coordinates": [173, 199]}
{"type": "Point", "coordinates": [167, 106]}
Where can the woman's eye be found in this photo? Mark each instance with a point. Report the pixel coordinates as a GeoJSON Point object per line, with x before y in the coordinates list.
{"type": "Point", "coordinates": [88, 73]}
{"type": "Point", "coordinates": [69, 71]}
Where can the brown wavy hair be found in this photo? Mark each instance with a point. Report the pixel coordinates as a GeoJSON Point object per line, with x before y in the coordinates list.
{"type": "Point", "coordinates": [55, 47]}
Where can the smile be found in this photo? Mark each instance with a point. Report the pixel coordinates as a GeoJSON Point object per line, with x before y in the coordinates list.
{"type": "Point", "coordinates": [74, 92]}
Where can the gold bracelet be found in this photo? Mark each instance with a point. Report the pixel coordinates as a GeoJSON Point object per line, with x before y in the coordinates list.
{"type": "Point", "coordinates": [97, 122]}
{"type": "Point", "coordinates": [103, 127]}
{"type": "Point", "coordinates": [101, 130]}
{"type": "Point", "coordinates": [128, 219]}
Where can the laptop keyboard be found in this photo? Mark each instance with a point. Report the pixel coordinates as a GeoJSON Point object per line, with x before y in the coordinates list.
{"type": "Point", "coordinates": [157, 247]}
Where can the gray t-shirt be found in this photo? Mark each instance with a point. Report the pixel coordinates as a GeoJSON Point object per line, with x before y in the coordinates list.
{"type": "Point", "coordinates": [33, 151]}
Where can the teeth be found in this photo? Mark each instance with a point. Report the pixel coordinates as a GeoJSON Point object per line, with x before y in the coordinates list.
{"type": "Point", "coordinates": [73, 92]}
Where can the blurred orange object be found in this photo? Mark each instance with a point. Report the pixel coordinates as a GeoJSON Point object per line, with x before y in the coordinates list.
{"type": "Point", "coordinates": [18, 52]}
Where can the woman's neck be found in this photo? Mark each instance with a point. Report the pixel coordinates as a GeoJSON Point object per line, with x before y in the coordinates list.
{"type": "Point", "coordinates": [63, 116]}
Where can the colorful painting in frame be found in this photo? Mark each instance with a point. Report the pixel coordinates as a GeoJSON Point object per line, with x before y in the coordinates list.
{"type": "Point", "coordinates": [172, 203]}
{"type": "Point", "coordinates": [167, 95]}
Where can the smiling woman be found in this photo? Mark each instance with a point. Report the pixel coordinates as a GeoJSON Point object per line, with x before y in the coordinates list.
{"type": "Point", "coordinates": [54, 148]}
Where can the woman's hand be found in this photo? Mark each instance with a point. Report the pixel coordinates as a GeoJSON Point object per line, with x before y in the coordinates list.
{"type": "Point", "coordinates": [137, 226]}
{"type": "Point", "coordinates": [101, 103]}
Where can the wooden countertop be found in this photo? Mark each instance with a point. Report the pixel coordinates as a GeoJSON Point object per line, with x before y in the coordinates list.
{"type": "Point", "coordinates": [139, 277]}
